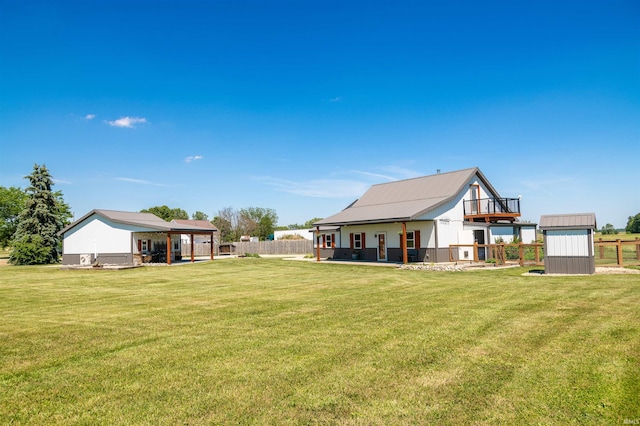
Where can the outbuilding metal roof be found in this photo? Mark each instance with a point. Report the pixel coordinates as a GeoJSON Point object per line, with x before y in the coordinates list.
{"type": "Point", "coordinates": [568, 221]}
{"type": "Point", "coordinates": [406, 199]}
{"type": "Point", "coordinates": [144, 220]}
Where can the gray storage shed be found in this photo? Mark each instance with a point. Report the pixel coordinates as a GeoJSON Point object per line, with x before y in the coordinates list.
{"type": "Point", "coordinates": [569, 243]}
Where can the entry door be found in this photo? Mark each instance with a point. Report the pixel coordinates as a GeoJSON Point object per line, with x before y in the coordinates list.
{"type": "Point", "coordinates": [478, 236]}
{"type": "Point", "coordinates": [382, 246]}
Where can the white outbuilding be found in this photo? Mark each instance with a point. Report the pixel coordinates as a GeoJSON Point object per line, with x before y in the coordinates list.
{"type": "Point", "coordinates": [569, 243]}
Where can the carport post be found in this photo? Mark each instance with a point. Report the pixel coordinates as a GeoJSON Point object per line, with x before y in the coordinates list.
{"type": "Point", "coordinates": [169, 248]}
{"type": "Point", "coordinates": [192, 255]}
{"type": "Point", "coordinates": [317, 244]}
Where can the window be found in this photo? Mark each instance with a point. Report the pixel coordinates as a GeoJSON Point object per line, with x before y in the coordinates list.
{"type": "Point", "coordinates": [144, 245]}
{"type": "Point", "coordinates": [176, 245]}
{"type": "Point", "coordinates": [357, 241]}
{"type": "Point", "coordinates": [328, 242]}
{"type": "Point", "coordinates": [411, 242]}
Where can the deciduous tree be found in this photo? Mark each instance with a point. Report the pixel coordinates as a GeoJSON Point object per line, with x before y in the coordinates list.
{"type": "Point", "coordinates": [199, 216]}
{"type": "Point", "coordinates": [608, 229]}
{"type": "Point", "coordinates": [227, 223]}
{"type": "Point", "coordinates": [167, 213]}
{"type": "Point", "coordinates": [258, 221]}
{"type": "Point", "coordinates": [633, 224]}
{"type": "Point", "coordinates": [11, 205]}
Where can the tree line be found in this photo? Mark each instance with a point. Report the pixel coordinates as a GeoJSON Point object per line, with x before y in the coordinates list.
{"type": "Point", "coordinates": [31, 219]}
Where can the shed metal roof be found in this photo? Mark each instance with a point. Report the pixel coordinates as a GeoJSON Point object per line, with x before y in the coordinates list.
{"type": "Point", "coordinates": [568, 221]}
{"type": "Point", "coordinates": [406, 199]}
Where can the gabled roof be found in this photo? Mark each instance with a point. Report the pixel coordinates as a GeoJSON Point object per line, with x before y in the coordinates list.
{"type": "Point", "coordinates": [408, 199]}
{"type": "Point", "coordinates": [568, 221]}
{"type": "Point", "coordinates": [144, 220]}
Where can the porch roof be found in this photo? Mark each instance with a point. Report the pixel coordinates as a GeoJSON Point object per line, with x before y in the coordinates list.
{"type": "Point", "coordinates": [406, 200]}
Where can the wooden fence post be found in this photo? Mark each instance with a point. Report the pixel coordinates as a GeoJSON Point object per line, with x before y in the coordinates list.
{"type": "Point", "coordinates": [537, 253]}
{"type": "Point", "coordinates": [637, 248]}
{"type": "Point", "coordinates": [601, 250]}
{"type": "Point", "coordinates": [521, 253]}
{"type": "Point", "coordinates": [619, 250]}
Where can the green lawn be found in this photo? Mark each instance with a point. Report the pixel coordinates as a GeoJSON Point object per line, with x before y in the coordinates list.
{"type": "Point", "coordinates": [267, 341]}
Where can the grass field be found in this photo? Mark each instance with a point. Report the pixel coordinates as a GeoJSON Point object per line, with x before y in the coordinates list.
{"type": "Point", "coordinates": [267, 341]}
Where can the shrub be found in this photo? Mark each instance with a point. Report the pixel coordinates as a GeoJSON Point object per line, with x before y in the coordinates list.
{"type": "Point", "coordinates": [30, 250]}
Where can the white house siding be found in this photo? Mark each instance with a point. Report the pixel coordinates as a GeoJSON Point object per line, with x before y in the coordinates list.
{"type": "Point", "coordinates": [529, 234]}
{"type": "Point", "coordinates": [465, 237]}
{"type": "Point", "coordinates": [393, 231]}
{"type": "Point", "coordinates": [573, 243]}
{"type": "Point", "coordinates": [98, 235]}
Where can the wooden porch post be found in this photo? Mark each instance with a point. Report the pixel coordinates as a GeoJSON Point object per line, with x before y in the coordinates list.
{"type": "Point", "coordinates": [169, 248]}
{"type": "Point", "coordinates": [193, 259]}
{"type": "Point", "coordinates": [211, 246]}
{"type": "Point", "coordinates": [317, 244]}
{"type": "Point", "coordinates": [404, 242]}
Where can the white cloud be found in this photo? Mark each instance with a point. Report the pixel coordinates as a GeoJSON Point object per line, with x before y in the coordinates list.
{"type": "Point", "coordinates": [139, 181]}
{"type": "Point", "coordinates": [89, 116]}
{"type": "Point", "coordinates": [336, 99]}
{"type": "Point", "coordinates": [373, 175]}
{"type": "Point", "coordinates": [320, 188]}
{"type": "Point", "coordinates": [193, 158]}
{"type": "Point", "coordinates": [62, 182]}
{"type": "Point", "coordinates": [128, 122]}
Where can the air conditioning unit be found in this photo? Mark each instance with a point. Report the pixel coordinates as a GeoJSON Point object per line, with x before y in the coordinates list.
{"type": "Point", "coordinates": [85, 259]}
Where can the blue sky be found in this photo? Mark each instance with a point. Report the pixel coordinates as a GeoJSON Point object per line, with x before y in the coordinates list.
{"type": "Point", "coordinates": [301, 106]}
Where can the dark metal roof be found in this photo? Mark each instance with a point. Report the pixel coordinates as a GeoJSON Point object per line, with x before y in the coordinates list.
{"type": "Point", "coordinates": [568, 221]}
{"type": "Point", "coordinates": [406, 199]}
{"type": "Point", "coordinates": [143, 220]}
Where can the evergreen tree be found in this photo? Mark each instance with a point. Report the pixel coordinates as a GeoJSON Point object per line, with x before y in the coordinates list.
{"type": "Point", "coordinates": [36, 240]}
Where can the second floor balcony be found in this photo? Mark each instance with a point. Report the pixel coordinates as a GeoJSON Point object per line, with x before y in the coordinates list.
{"type": "Point", "coordinates": [492, 209]}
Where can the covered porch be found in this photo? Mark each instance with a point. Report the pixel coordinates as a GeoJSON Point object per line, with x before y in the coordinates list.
{"type": "Point", "coordinates": [165, 247]}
